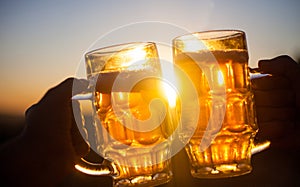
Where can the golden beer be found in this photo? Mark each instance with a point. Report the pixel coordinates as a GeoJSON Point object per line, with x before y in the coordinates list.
{"type": "Point", "coordinates": [133, 119]}
{"type": "Point", "coordinates": [219, 72]}
{"type": "Point", "coordinates": [124, 143]}
{"type": "Point", "coordinates": [230, 149]}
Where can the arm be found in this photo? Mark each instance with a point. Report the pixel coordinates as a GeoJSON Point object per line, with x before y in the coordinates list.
{"type": "Point", "coordinates": [277, 99]}
{"type": "Point", "coordinates": [50, 144]}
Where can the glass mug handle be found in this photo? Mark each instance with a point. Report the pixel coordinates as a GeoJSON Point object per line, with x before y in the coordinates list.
{"type": "Point", "coordinates": [105, 168]}
{"type": "Point", "coordinates": [260, 146]}
{"type": "Point", "coordinates": [256, 73]}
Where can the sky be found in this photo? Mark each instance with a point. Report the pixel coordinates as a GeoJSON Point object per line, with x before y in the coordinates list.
{"type": "Point", "coordinates": [42, 42]}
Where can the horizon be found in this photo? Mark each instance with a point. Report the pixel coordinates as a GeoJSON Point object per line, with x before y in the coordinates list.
{"type": "Point", "coordinates": [42, 43]}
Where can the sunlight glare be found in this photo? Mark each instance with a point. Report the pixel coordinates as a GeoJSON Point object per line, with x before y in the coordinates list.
{"type": "Point", "coordinates": [137, 53]}
{"type": "Point", "coordinates": [138, 56]}
{"type": "Point", "coordinates": [170, 94]}
{"type": "Point", "coordinates": [168, 73]}
{"type": "Point", "coordinates": [92, 172]}
{"type": "Point", "coordinates": [220, 78]}
{"type": "Point", "coordinates": [194, 44]}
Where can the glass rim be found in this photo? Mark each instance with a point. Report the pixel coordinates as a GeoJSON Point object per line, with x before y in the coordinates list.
{"type": "Point", "coordinates": [117, 48]}
{"type": "Point", "coordinates": [211, 34]}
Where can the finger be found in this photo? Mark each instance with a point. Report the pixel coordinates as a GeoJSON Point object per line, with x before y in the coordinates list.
{"type": "Point", "coordinates": [80, 86]}
{"type": "Point", "coordinates": [271, 83]}
{"type": "Point", "coordinates": [282, 65]}
{"type": "Point", "coordinates": [274, 98]}
{"type": "Point", "coordinates": [286, 66]}
{"type": "Point", "coordinates": [81, 147]}
{"type": "Point", "coordinates": [58, 97]}
{"type": "Point", "coordinates": [31, 109]}
{"type": "Point", "coordinates": [274, 130]}
{"type": "Point", "coordinates": [53, 100]}
{"type": "Point", "coordinates": [54, 109]}
{"type": "Point", "coordinates": [267, 114]}
{"type": "Point", "coordinates": [78, 132]}
{"type": "Point", "coordinates": [62, 93]}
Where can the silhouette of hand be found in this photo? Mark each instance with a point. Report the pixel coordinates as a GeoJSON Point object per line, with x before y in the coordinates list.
{"type": "Point", "coordinates": [277, 99]}
{"type": "Point", "coordinates": [50, 144]}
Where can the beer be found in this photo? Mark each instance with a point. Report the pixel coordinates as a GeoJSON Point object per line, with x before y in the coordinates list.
{"type": "Point", "coordinates": [229, 152]}
{"type": "Point", "coordinates": [133, 120]}
{"type": "Point", "coordinates": [136, 150]}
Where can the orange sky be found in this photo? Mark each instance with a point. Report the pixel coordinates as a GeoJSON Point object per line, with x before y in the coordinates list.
{"type": "Point", "coordinates": [41, 43]}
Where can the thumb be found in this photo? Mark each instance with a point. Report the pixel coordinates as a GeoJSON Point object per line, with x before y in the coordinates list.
{"type": "Point", "coordinates": [283, 66]}
{"type": "Point", "coordinates": [287, 67]}
{"type": "Point", "coordinates": [54, 109]}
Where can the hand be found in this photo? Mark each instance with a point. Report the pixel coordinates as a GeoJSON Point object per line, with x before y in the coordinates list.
{"type": "Point", "coordinates": [277, 99]}
{"type": "Point", "coordinates": [50, 144]}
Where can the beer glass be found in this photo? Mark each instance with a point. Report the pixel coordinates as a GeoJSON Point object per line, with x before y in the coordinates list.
{"type": "Point", "coordinates": [217, 63]}
{"type": "Point", "coordinates": [131, 115]}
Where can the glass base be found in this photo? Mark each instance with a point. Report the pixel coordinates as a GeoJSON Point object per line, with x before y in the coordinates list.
{"type": "Point", "coordinates": [221, 171]}
{"type": "Point", "coordinates": [145, 180]}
